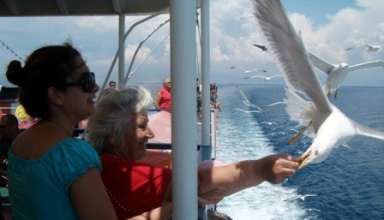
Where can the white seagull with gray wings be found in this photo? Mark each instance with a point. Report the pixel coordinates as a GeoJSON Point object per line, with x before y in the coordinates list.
{"type": "Point", "coordinates": [330, 126]}
{"type": "Point", "coordinates": [338, 72]}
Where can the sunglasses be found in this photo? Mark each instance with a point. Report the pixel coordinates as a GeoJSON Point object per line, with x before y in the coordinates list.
{"type": "Point", "coordinates": [86, 82]}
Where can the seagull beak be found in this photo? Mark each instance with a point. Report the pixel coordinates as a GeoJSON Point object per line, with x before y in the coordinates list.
{"type": "Point", "coordinates": [305, 159]}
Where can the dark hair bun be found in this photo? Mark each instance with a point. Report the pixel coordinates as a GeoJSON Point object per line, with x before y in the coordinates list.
{"type": "Point", "coordinates": [15, 73]}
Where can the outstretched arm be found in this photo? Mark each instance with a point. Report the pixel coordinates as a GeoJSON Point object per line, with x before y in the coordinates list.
{"type": "Point", "coordinates": [218, 182]}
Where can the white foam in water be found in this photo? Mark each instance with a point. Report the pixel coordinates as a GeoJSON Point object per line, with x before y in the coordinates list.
{"type": "Point", "coordinates": [243, 139]}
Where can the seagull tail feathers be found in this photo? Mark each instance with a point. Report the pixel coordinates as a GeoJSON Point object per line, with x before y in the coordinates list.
{"type": "Point", "coordinates": [369, 132]}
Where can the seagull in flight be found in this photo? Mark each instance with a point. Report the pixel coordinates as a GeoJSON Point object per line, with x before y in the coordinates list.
{"type": "Point", "coordinates": [262, 47]}
{"type": "Point", "coordinates": [305, 98]}
{"type": "Point", "coordinates": [349, 48]}
{"type": "Point", "coordinates": [336, 75]}
{"type": "Point", "coordinates": [368, 47]}
{"type": "Point", "coordinates": [267, 78]}
{"type": "Point", "coordinates": [372, 48]}
{"type": "Point", "coordinates": [301, 197]}
{"type": "Point", "coordinates": [247, 111]}
{"type": "Point", "coordinates": [247, 102]}
{"type": "Point", "coordinates": [248, 71]}
{"type": "Point", "coordinates": [277, 103]}
{"type": "Point", "coordinates": [338, 72]}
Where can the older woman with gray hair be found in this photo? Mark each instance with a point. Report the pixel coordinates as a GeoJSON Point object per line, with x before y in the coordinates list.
{"type": "Point", "coordinates": [119, 131]}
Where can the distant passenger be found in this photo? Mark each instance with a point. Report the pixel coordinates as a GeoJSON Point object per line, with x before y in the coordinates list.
{"type": "Point", "coordinates": [9, 129]}
{"type": "Point", "coordinates": [164, 97]}
{"type": "Point", "coordinates": [52, 175]}
{"type": "Point", "coordinates": [112, 84]}
{"type": "Point", "coordinates": [119, 131]}
{"type": "Point", "coordinates": [25, 121]}
{"type": "Point", "coordinates": [214, 97]}
{"type": "Point", "coordinates": [199, 97]}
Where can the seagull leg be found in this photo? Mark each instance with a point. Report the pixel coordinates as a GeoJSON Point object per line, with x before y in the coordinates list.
{"type": "Point", "coordinates": [298, 135]}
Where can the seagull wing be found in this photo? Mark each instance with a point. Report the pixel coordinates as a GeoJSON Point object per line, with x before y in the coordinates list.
{"type": "Point", "coordinates": [251, 71]}
{"type": "Point", "coordinates": [290, 52]}
{"type": "Point", "coordinates": [247, 102]}
{"type": "Point", "coordinates": [371, 64]}
{"type": "Point", "coordinates": [245, 98]}
{"type": "Point", "coordinates": [372, 48]}
{"type": "Point", "coordinates": [276, 103]}
{"type": "Point", "coordinates": [320, 63]}
{"type": "Point", "coordinates": [349, 48]}
{"type": "Point", "coordinates": [247, 111]}
{"type": "Point", "coordinates": [262, 47]}
{"type": "Point", "coordinates": [275, 76]}
{"type": "Point", "coordinates": [257, 76]}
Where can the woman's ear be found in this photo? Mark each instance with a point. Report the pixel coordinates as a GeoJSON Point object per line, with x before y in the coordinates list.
{"type": "Point", "coordinates": [55, 96]}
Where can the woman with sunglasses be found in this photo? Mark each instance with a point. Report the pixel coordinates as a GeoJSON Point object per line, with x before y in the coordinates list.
{"type": "Point", "coordinates": [51, 174]}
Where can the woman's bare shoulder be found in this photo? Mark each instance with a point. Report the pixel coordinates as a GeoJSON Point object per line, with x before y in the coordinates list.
{"type": "Point", "coordinates": [31, 144]}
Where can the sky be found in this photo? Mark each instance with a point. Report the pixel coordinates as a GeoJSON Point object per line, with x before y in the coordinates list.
{"type": "Point", "coordinates": [327, 29]}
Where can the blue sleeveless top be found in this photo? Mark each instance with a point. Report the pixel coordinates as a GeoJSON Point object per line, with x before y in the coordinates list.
{"type": "Point", "coordinates": [39, 189]}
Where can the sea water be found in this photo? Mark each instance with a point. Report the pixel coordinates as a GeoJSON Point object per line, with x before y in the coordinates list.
{"type": "Point", "coordinates": [347, 185]}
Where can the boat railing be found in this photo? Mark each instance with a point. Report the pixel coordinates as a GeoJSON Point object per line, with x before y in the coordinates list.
{"type": "Point", "coordinates": [205, 150]}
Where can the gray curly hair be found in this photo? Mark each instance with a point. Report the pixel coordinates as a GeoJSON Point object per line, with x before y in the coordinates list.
{"type": "Point", "coordinates": [113, 116]}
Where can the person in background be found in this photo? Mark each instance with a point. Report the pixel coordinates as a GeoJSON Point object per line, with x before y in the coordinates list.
{"type": "Point", "coordinates": [9, 129]}
{"type": "Point", "coordinates": [118, 130]}
{"type": "Point", "coordinates": [52, 175]}
{"type": "Point", "coordinates": [25, 121]}
{"type": "Point", "coordinates": [214, 97]}
{"type": "Point", "coordinates": [164, 97]}
{"type": "Point", "coordinates": [112, 84]}
{"type": "Point", "coordinates": [199, 97]}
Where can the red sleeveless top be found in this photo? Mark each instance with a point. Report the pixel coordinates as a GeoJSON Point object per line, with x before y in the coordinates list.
{"type": "Point", "coordinates": [134, 187]}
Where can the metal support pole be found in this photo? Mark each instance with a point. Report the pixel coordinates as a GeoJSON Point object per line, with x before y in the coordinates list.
{"type": "Point", "coordinates": [184, 130]}
{"type": "Point", "coordinates": [118, 51]}
{"type": "Point", "coordinates": [205, 63]}
{"type": "Point", "coordinates": [120, 82]}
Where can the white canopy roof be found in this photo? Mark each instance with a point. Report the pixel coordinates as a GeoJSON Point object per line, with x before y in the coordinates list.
{"type": "Point", "coordinates": [79, 7]}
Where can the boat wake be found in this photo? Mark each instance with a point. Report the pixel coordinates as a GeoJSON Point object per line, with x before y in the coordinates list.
{"type": "Point", "coordinates": [240, 137]}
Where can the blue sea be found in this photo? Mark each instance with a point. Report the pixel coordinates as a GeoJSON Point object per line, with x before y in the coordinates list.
{"type": "Point", "coordinates": [347, 185]}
